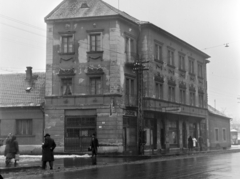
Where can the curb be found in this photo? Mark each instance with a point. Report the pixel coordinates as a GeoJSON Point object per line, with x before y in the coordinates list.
{"type": "Point", "coordinates": [15, 169]}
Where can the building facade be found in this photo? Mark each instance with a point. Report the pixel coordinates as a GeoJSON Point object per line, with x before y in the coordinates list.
{"type": "Point", "coordinates": [219, 129]}
{"type": "Point", "coordinates": [91, 86]}
{"type": "Point", "coordinates": [22, 107]}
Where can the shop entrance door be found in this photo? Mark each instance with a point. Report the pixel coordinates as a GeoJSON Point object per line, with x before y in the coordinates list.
{"type": "Point", "coordinates": [78, 132]}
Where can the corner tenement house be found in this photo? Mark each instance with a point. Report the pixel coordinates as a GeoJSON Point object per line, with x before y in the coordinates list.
{"type": "Point", "coordinates": [91, 86]}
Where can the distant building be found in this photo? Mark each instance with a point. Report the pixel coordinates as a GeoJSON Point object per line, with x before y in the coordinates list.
{"type": "Point", "coordinates": [21, 110]}
{"type": "Point", "coordinates": [219, 129]}
{"type": "Point", "coordinates": [91, 86]}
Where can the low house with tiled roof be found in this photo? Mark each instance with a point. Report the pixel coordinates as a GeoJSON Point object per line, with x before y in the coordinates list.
{"type": "Point", "coordinates": [91, 85]}
{"type": "Point", "coordinates": [219, 129]}
{"type": "Point", "coordinates": [21, 106]}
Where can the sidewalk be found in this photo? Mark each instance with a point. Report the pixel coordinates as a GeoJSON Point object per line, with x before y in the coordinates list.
{"type": "Point", "coordinates": [73, 161]}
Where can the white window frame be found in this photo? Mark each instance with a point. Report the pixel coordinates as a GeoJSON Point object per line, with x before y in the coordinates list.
{"type": "Point", "coordinates": [93, 32]}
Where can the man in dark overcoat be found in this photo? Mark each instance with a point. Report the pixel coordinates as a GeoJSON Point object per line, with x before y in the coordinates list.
{"type": "Point", "coordinates": [94, 147]}
{"type": "Point", "coordinates": [190, 143]}
{"type": "Point", "coordinates": [47, 151]}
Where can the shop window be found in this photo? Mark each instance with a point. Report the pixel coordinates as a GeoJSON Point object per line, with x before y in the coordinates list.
{"type": "Point", "coordinates": [173, 133]}
{"type": "Point", "coordinates": [24, 126]}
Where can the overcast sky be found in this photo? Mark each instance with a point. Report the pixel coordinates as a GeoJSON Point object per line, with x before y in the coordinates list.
{"type": "Point", "coordinates": [206, 24]}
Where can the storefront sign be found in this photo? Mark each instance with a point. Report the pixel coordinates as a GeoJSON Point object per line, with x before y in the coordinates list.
{"type": "Point", "coordinates": [171, 109]}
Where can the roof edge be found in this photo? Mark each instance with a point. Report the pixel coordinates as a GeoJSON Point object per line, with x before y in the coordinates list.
{"type": "Point", "coordinates": [178, 39]}
{"type": "Point", "coordinates": [219, 115]}
{"type": "Point", "coordinates": [45, 18]}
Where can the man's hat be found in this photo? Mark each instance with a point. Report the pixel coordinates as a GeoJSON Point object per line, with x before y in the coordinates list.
{"type": "Point", "coordinates": [47, 135]}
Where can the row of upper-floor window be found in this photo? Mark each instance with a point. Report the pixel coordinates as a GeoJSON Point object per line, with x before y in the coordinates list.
{"type": "Point", "coordinates": [130, 93]}
{"type": "Point", "coordinates": [95, 41]}
{"type": "Point", "coordinates": [158, 56]}
{"type": "Point", "coordinates": [95, 87]}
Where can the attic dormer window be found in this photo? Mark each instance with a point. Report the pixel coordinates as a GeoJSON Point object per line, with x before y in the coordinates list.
{"type": "Point", "coordinates": [84, 5]}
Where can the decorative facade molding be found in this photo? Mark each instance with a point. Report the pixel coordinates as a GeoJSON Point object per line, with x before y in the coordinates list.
{"type": "Point", "coordinates": [182, 85]}
{"type": "Point", "coordinates": [95, 55]}
{"type": "Point", "coordinates": [171, 81]}
{"type": "Point", "coordinates": [200, 90]}
{"type": "Point", "coordinates": [69, 59]}
{"type": "Point", "coordinates": [192, 77]}
{"type": "Point", "coordinates": [159, 78]}
{"type": "Point", "coordinates": [182, 73]}
{"type": "Point", "coordinates": [94, 70]}
{"type": "Point", "coordinates": [192, 88]}
{"type": "Point", "coordinates": [66, 72]}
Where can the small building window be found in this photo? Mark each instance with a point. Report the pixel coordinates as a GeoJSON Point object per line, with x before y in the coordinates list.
{"type": "Point", "coordinates": [67, 86]}
{"type": "Point", "coordinates": [224, 134]}
{"type": "Point", "coordinates": [95, 85]}
{"type": "Point", "coordinates": [192, 98]}
{"type": "Point", "coordinates": [171, 93]}
{"type": "Point", "coordinates": [95, 42]}
{"type": "Point", "coordinates": [200, 70]}
{"type": "Point", "coordinates": [200, 99]}
{"type": "Point", "coordinates": [191, 66]}
{"type": "Point", "coordinates": [130, 49]}
{"type": "Point", "coordinates": [158, 52]}
{"type": "Point", "coordinates": [130, 93]}
{"type": "Point", "coordinates": [181, 62]}
{"type": "Point", "coordinates": [182, 96]}
{"type": "Point", "coordinates": [159, 90]}
{"type": "Point", "coordinates": [24, 126]}
{"type": "Point", "coordinates": [216, 134]}
{"type": "Point", "coordinates": [170, 57]}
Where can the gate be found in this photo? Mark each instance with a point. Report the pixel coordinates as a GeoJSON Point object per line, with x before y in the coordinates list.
{"type": "Point", "coordinates": [78, 132]}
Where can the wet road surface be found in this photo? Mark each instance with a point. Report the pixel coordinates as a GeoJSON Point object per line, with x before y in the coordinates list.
{"type": "Point", "coordinates": [221, 166]}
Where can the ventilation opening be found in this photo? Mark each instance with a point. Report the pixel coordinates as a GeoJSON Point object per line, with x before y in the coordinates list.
{"type": "Point", "coordinates": [84, 5]}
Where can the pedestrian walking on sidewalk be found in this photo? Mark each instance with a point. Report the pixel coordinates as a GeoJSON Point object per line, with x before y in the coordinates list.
{"type": "Point", "coordinates": [194, 143]}
{"type": "Point", "coordinates": [47, 151]}
{"type": "Point", "coordinates": [11, 150]}
{"type": "Point", "coordinates": [190, 143]}
{"type": "Point", "coordinates": [200, 141]}
{"type": "Point", "coordinates": [94, 148]}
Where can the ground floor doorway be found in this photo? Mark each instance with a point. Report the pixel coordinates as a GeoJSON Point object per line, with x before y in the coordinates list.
{"type": "Point", "coordinates": [78, 132]}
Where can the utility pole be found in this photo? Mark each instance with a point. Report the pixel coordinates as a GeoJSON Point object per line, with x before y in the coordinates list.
{"type": "Point", "coordinates": [139, 68]}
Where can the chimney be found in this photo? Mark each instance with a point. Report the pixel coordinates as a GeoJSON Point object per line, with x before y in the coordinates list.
{"type": "Point", "coordinates": [29, 74]}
